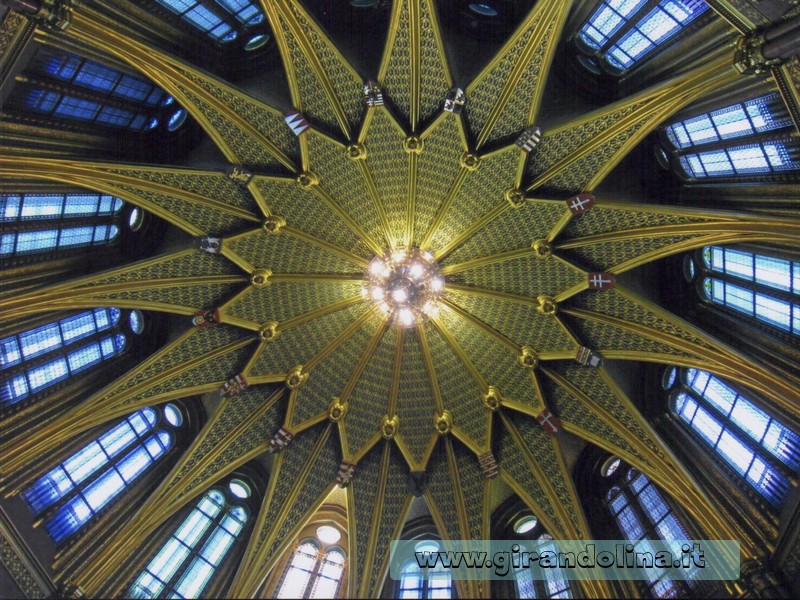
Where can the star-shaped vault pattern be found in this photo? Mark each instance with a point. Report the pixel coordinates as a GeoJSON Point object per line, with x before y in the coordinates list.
{"type": "Point", "coordinates": [480, 394]}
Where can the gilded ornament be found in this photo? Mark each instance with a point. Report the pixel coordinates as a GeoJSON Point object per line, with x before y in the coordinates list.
{"type": "Point", "coordinates": [443, 422]}
{"type": "Point", "coordinates": [260, 278]}
{"type": "Point", "coordinates": [389, 426]}
{"type": "Point", "coordinates": [541, 248]}
{"type": "Point", "coordinates": [413, 145]}
{"type": "Point", "coordinates": [356, 152]}
{"type": "Point", "coordinates": [470, 161]}
{"type": "Point", "coordinates": [527, 358]}
{"type": "Point", "coordinates": [273, 224]}
{"type": "Point", "coordinates": [515, 197]}
{"type": "Point", "coordinates": [268, 331]}
{"type": "Point", "coordinates": [546, 306]}
{"type": "Point", "coordinates": [295, 378]}
{"type": "Point", "coordinates": [491, 399]}
{"type": "Point", "coordinates": [306, 180]}
{"type": "Point", "coordinates": [337, 410]}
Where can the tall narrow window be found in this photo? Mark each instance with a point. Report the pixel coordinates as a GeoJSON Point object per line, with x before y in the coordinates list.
{"type": "Point", "coordinates": [425, 583]}
{"type": "Point", "coordinates": [642, 514]}
{"type": "Point", "coordinates": [621, 33]}
{"type": "Point", "coordinates": [743, 139]}
{"type": "Point", "coordinates": [763, 451]}
{"type": "Point", "coordinates": [37, 359]}
{"type": "Point", "coordinates": [765, 288]}
{"type": "Point", "coordinates": [316, 567]}
{"type": "Point", "coordinates": [70, 494]}
{"type": "Point", "coordinates": [185, 565]}
{"type": "Point", "coordinates": [555, 585]}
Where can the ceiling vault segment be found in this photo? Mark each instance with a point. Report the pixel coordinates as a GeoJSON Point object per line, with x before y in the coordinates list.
{"type": "Point", "coordinates": [239, 430]}
{"type": "Point", "coordinates": [253, 134]}
{"type": "Point", "coordinates": [199, 361]}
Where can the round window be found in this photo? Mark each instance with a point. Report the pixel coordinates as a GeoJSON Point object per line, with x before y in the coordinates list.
{"type": "Point", "coordinates": [610, 466]}
{"type": "Point", "coordinates": [525, 524]}
{"type": "Point", "coordinates": [239, 488]}
{"type": "Point", "coordinates": [173, 415]}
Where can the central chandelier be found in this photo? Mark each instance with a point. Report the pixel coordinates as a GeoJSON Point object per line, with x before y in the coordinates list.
{"type": "Point", "coordinates": [405, 284]}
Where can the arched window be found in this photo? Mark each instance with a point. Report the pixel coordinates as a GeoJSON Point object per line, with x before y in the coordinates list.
{"type": "Point", "coordinates": [221, 20]}
{"type": "Point", "coordinates": [642, 514]}
{"type": "Point", "coordinates": [37, 223]}
{"type": "Point", "coordinates": [38, 358]}
{"type": "Point", "coordinates": [760, 449]}
{"type": "Point", "coordinates": [428, 583]}
{"type": "Point", "coordinates": [185, 564]}
{"type": "Point", "coordinates": [529, 529]}
{"type": "Point", "coordinates": [765, 288]}
{"type": "Point", "coordinates": [621, 33]}
{"type": "Point", "coordinates": [316, 567]}
{"type": "Point", "coordinates": [75, 490]}
{"type": "Point", "coordinates": [743, 139]}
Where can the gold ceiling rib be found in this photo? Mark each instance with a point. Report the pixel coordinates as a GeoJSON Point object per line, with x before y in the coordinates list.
{"type": "Point", "coordinates": [199, 361]}
{"type": "Point", "coordinates": [199, 202]}
{"type": "Point", "coordinates": [250, 418]}
{"type": "Point", "coordinates": [303, 475]}
{"type": "Point", "coordinates": [159, 283]}
{"type": "Point", "coordinates": [254, 134]}
{"type": "Point", "coordinates": [579, 154]}
{"type": "Point", "coordinates": [507, 93]}
{"type": "Point", "coordinates": [322, 82]}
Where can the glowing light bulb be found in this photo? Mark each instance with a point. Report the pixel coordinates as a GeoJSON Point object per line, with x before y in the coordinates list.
{"type": "Point", "coordinates": [430, 308]}
{"type": "Point", "coordinates": [406, 317]}
{"type": "Point", "coordinates": [378, 293]}
{"type": "Point", "coordinates": [398, 256]}
{"type": "Point", "coordinates": [437, 284]}
{"type": "Point", "coordinates": [385, 308]}
{"type": "Point", "coordinates": [400, 296]}
{"type": "Point", "coordinates": [417, 270]}
{"type": "Point", "coordinates": [376, 266]}
{"type": "Point", "coordinates": [427, 256]}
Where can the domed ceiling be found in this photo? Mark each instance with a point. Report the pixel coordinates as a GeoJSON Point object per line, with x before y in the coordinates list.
{"type": "Point", "coordinates": [293, 321]}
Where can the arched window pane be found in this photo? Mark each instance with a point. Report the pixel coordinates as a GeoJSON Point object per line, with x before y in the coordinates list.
{"type": "Point", "coordinates": [609, 17]}
{"type": "Point", "coordinates": [81, 507]}
{"type": "Point", "coordinates": [28, 207]}
{"type": "Point", "coordinates": [28, 242]}
{"type": "Point", "coordinates": [299, 572]}
{"type": "Point", "coordinates": [199, 17]}
{"type": "Point", "coordinates": [245, 11]}
{"type": "Point", "coordinates": [411, 581]}
{"type": "Point", "coordinates": [329, 576]}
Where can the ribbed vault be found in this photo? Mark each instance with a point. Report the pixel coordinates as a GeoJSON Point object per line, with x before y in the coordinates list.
{"type": "Point", "coordinates": [301, 216]}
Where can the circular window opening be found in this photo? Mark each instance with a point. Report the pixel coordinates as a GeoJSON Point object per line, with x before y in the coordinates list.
{"type": "Point", "coordinates": [152, 124]}
{"type": "Point", "coordinates": [328, 535]}
{"type": "Point", "coordinates": [610, 466]}
{"type": "Point", "coordinates": [483, 9]}
{"type": "Point", "coordinates": [177, 119]}
{"type": "Point", "coordinates": [173, 415]}
{"type": "Point", "coordinates": [256, 42]}
{"type": "Point", "coordinates": [670, 376]}
{"type": "Point", "coordinates": [167, 101]}
{"type": "Point", "coordinates": [135, 219]}
{"type": "Point", "coordinates": [689, 269]}
{"type": "Point", "coordinates": [590, 64]}
{"type": "Point", "coordinates": [426, 546]}
{"type": "Point", "coordinates": [662, 158]}
{"type": "Point", "coordinates": [525, 524]}
{"type": "Point", "coordinates": [136, 321]}
{"type": "Point", "coordinates": [239, 488]}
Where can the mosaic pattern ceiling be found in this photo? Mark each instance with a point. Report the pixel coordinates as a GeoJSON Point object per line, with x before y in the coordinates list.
{"type": "Point", "coordinates": [480, 392]}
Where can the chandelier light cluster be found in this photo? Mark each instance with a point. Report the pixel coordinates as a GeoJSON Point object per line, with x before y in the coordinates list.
{"type": "Point", "coordinates": [405, 284]}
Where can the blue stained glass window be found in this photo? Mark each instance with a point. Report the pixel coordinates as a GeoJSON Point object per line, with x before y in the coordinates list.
{"type": "Point", "coordinates": [621, 32]}
{"type": "Point", "coordinates": [201, 18]}
{"type": "Point", "coordinates": [27, 207]}
{"type": "Point", "coordinates": [201, 542]}
{"type": "Point", "coordinates": [85, 503]}
{"type": "Point", "coordinates": [59, 481]}
{"type": "Point", "coordinates": [744, 435]}
{"type": "Point", "coordinates": [64, 342]}
{"type": "Point", "coordinates": [763, 287]}
{"type": "Point", "coordinates": [245, 11]}
{"type": "Point", "coordinates": [759, 158]}
{"type": "Point", "coordinates": [24, 242]}
{"type": "Point", "coordinates": [746, 118]}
